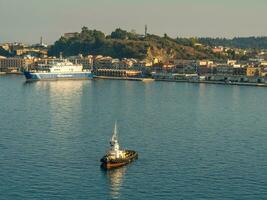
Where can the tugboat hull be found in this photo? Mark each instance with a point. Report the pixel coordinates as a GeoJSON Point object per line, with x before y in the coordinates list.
{"type": "Point", "coordinates": [110, 164]}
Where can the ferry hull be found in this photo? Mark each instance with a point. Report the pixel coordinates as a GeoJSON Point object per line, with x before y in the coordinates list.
{"type": "Point", "coordinates": [34, 76]}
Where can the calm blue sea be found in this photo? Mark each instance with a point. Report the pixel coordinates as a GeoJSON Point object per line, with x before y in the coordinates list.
{"type": "Point", "coordinates": [195, 141]}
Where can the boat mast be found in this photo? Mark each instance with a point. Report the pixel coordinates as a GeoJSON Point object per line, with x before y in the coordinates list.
{"type": "Point", "coordinates": [114, 139]}
{"type": "Point", "coordinates": [115, 131]}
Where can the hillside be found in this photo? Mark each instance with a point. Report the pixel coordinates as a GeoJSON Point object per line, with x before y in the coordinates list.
{"type": "Point", "coordinates": [237, 42]}
{"type": "Point", "coordinates": [123, 44]}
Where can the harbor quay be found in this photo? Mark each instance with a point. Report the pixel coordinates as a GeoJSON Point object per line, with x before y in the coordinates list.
{"type": "Point", "coordinates": [231, 72]}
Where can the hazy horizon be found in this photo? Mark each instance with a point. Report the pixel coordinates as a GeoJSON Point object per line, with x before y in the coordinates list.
{"type": "Point", "coordinates": [26, 21]}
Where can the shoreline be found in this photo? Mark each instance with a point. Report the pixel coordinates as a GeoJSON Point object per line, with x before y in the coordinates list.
{"type": "Point", "coordinates": [217, 82]}
{"type": "Point", "coordinates": [124, 78]}
{"type": "Point", "coordinates": [183, 81]}
{"type": "Point", "coordinates": [163, 80]}
{"type": "Point", "coordinates": [11, 73]}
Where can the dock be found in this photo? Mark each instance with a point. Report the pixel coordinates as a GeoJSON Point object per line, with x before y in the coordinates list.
{"type": "Point", "coordinates": [216, 82]}
{"type": "Point", "coordinates": [124, 78]}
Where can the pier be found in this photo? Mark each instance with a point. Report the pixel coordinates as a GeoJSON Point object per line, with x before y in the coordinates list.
{"type": "Point", "coordinates": [216, 82]}
{"type": "Point", "coordinates": [125, 78]}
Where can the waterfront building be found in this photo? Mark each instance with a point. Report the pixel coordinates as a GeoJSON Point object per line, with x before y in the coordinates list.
{"type": "Point", "coordinates": [205, 63]}
{"type": "Point", "coordinates": [175, 76]}
{"type": "Point", "coordinates": [31, 51]}
{"type": "Point", "coordinates": [203, 70]}
{"type": "Point", "coordinates": [189, 69]}
{"type": "Point", "coordinates": [107, 62]}
{"type": "Point", "coordinates": [179, 69]}
{"type": "Point", "coordinates": [127, 63]}
{"type": "Point", "coordinates": [168, 76]}
{"type": "Point", "coordinates": [263, 63]}
{"type": "Point", "coordinates": [15, 46]}
{"type": "Point", "coordinates": [14, 64]}
{"type": "Point", "coordinates": [5, 46]}
{"type": "Point", "coordinates": [142, 64]}
{"type": "Point", "coordinates": [101, 62]}
{"type": "Point", "coordinates": [183, 62]}
{"type": "Point", "coordinates": [122, 64]}
{"type": "Point", "coordinates": [231, 62]}
{"type": "Point", "coordinates": [252, 71]}
{"type": "Point", "coordinates": [198, 45]}
{"type": "Point", "coordinates": [155, 61]}
{"type": "Point", "coordinates": [70, 35]}
{"type": "Point", "coordinates": [224, 70]}
{"type": "Point", "coordinates": [219, 49]}
{"type": "Point", "coordinates": [263, 71]}
{"type": "Point", "coordinates": [118, 73]}
{"type": "Point", "coordinates": [184, 66]}
{"type": "Point", "coordinates": [115, 63]}
{"type": "Point", "coordinates": [256, 60]}
{"type": "Point", "coordinates": [148, 63]}
{"type": "Point", "coordinates": [20, 49]}
{"type": "Point", "coordinates": [168, 66]}
{"type": "Point", "coordinates": [239, 71]}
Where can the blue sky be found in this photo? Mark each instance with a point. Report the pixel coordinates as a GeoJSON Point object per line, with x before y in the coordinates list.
{"type": "Point", "coordinates": [27, 20]}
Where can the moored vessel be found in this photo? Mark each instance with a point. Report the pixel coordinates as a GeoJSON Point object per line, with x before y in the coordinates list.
{"type": "Point", "coordinates": [115, 157]}
{"type": "Point", "coordinates": [57, 70]}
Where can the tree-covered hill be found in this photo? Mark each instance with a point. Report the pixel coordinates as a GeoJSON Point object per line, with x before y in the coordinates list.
{"type": "Point", "coordinates": [237, 42]}
{"type": "Point", "coordinates": [123, 44]}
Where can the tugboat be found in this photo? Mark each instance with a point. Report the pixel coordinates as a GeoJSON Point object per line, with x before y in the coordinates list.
{"type": "Point", "coordinates": [116, 157]}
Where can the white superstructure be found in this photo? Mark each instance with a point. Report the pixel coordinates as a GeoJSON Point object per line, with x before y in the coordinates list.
{"type": "Point", "coordinates": [60, 66]}
{"type": "Point", "coordinates": [115, 151]}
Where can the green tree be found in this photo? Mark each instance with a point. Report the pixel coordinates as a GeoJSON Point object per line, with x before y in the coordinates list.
{"type": "Point", "coordinates": [3, 52]}
{"type": "Point", "coordinates": [119, 34]}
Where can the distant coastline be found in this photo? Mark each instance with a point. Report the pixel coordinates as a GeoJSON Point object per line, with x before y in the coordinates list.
{"type": "Point", "coordinates": [124, 55]}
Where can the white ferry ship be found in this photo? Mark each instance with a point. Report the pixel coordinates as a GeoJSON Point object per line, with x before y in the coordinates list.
{"type": "Point", "coordinates": [59, 69]}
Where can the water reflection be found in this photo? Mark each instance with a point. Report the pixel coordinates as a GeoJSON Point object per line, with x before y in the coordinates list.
{"type": "Point", "coordinates": [62, 87]}
{"type": "Point", "coordinates": [115, 180]}
{"type": "Point", "coordinates": [61, 100]}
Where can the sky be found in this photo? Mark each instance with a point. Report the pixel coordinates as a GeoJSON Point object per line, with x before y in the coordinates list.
{"type": "Point", "coordinates": [27, 20]}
